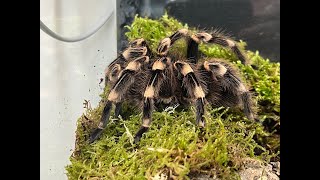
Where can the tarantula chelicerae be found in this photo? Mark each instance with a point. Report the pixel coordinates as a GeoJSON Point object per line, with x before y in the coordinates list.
{"type": "Point", "coordinates": [147, 80]}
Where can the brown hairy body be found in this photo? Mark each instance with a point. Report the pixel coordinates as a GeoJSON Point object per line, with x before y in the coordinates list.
{"type": "Point", "coordinates": [148, 80]}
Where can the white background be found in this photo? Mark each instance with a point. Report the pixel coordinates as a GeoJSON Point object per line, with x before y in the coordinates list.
{"type": "Point", "coordinates": [70, 73]}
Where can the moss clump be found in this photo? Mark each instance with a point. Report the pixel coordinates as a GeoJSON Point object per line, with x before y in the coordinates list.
{"type": "Point", "coordinates": [174, 145]}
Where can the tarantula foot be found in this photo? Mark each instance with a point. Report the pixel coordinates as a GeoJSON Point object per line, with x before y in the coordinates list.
{"type": "Point", "coordinates": [258, 120]}
{"type": "Point", "coordinates": [136, 140]}
{"type": "Point", "coordinates": [201, 124]}
{"type": "Point", "coordinates": [138, 136]}
{"type": "Point", "coordinates": [95, 135]}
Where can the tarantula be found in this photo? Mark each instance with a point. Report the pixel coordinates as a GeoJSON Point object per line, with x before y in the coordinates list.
{"type": "Point", "coordinates": [147, 80]}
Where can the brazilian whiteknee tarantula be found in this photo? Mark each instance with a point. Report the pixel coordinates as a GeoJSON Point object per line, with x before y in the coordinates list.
{"type": "Point", "coordinates": [145, 79]}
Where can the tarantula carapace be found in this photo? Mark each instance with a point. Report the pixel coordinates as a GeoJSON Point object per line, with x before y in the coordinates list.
{"type": "Point", "coordinates": [147, 80]}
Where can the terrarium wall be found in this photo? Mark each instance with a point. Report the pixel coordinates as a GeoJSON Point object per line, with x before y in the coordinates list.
{"type": "Point", "coordinates": [69, 74]}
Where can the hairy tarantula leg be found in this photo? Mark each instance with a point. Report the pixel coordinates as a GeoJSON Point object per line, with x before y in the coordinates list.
{"type": "Point", "coordinates": [137, 42]}
{"type": "Point", "coordinates": [137, 48]}
{"type": "Point", "coordinates": [164, 45]}
{"type": "Point", "coordinates": [118, 109]}
{"type": "Point", "coordinates": [200, 112]}
{"type": "Point", "coordinates": [103, 122]}
{"type": "Point", "coordinates": [128, 54]}
{"type": "Point", "coordinates": [118, 90]}
{"type": "Point", "coordinates": [217, 38]}
{"type": "Point", "coordinates": [131, 53]}
{"type": "Point", "coordinates": [148, 107]}
{"type": "Point", "coordinates": [141, 43]}
{"type": "Point", "coordinates": [230, 82]}
{"type": "Point", "coordinates": [194, 89]}
{"type": "Point", "coordinates": [113, 69]}
{"type": "Point", "coordinates": [192, 51]}
{"type": "Point", "coordinates": [247, 104]}
{"type": "Point", "coordinates": [149, 94]}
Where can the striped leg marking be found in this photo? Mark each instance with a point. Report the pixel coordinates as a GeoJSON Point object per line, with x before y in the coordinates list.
{"type": "Point", "coordinates": [118, 90]}
{"type": "Point", "coordinates": [194, 89]}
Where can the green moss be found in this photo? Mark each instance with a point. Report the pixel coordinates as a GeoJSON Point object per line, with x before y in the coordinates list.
{"type": "Point", "coordinates": [174, 144]}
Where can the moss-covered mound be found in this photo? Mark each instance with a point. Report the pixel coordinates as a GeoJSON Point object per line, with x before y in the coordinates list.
{"type": "Point", "coordinates": [174, 145]}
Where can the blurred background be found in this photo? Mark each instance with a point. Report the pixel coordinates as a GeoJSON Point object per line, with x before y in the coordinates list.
{"type": "Point", "coordinates": [255, 21]}
{"type": "Point", "coordinates": [70, 72]}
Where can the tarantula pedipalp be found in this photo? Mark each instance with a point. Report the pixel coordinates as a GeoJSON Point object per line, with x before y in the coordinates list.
{"type": "Point", "coordinates": [146, 79]}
